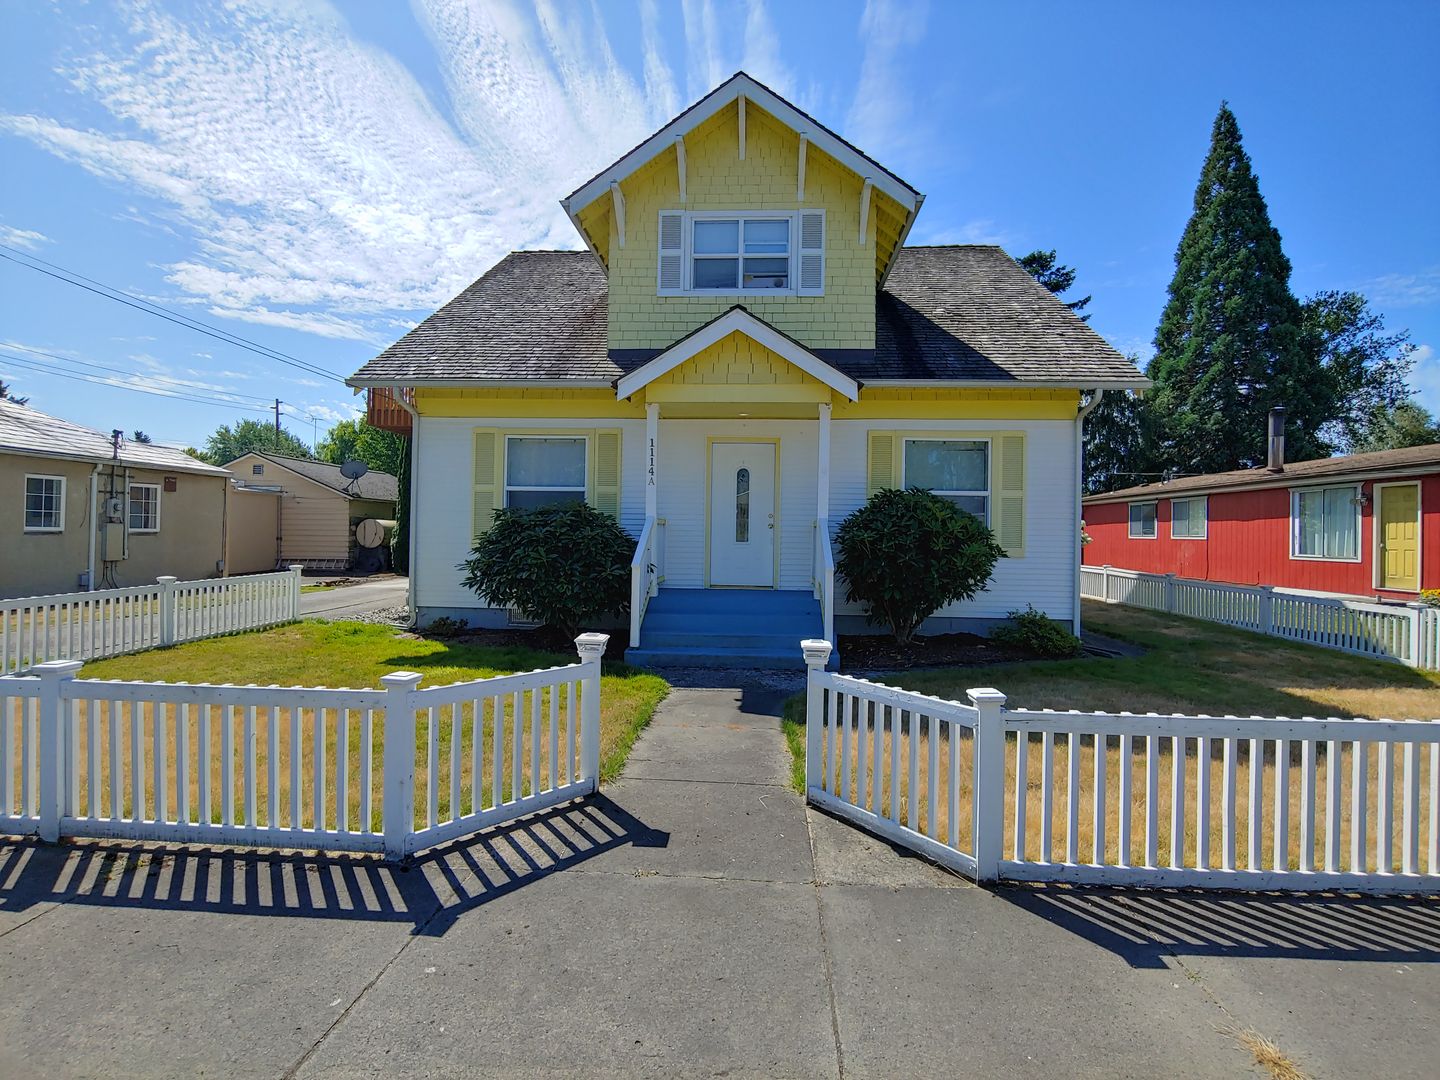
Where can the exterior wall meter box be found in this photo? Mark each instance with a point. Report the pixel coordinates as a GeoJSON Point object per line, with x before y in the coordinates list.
{"type": "Point", "coordinates": [112, 535]}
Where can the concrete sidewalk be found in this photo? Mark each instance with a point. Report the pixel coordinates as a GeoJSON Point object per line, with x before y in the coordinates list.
{"type": "Point", "coordinates": [696, 919]}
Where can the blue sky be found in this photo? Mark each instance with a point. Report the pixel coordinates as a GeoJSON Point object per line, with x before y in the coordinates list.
{"type": "Point", "coordinates": [317, 177]}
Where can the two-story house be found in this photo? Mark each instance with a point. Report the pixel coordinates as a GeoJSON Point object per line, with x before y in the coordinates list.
{"type": "Point", "coordinates": [744, 351]}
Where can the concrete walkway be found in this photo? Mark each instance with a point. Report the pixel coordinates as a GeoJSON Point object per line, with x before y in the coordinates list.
{"type": "Point", "coordinates": [694, 920]}
{"type": "Point", "coordinates": [348, 601]}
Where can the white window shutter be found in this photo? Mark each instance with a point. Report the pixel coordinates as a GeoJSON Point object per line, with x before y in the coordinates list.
{"type": "Point", "coordinates": [671, 273]}
{"type": "Point", "coordinates": [812, 253]}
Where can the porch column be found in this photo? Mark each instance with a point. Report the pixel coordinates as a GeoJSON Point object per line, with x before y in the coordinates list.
{"type": "Point", "coordinates": [652, 435]}
{"type": "Point", "coordinates": [822, 491]}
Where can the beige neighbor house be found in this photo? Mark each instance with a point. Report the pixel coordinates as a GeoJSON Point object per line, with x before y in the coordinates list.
{"type": "Point", "coordinates": [318, 507]}
{"type": "Point", "coordinates": [78, 513]}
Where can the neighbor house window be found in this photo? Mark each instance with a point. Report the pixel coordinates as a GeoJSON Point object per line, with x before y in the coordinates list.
{"type": "Point", "coordinates": [44, 504]}
{"type": "Point", "coordinates": [739, 254]}
{"type": "Point", "coordinates": [145, 508]}
{"type": "Point", "coordinates": [1325, 523]}
{"type": "Point", "coordinates": [544, 470]}
{"type": "Point", "coordinates": [1188, 519]}
{"type": "Point", "coordinates": [954, 469]}
{"type": "Point", "coordinates": [1142, 521]}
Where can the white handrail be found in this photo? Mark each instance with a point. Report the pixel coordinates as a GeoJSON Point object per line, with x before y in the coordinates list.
{"type": "Point", "coordinates": [644, 576]}
{"type": "Point", "coordinates": [825, 578]}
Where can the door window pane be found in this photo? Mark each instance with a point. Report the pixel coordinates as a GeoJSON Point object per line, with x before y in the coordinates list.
{"type": "Point", "coordinates": [742, 506]}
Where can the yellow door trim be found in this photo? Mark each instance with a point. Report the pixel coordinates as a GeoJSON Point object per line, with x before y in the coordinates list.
{"type": "Point", "coordinates": [710, 495]}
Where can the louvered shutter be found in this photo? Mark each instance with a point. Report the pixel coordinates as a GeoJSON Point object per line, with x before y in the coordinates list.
{"type": "Point", "coordinates": [486, 482]}
{"type": "Point", "coordinates": [607, 473]}
{"type": "Point", "coordinates": [1007, 518]}
{"type": "Point", "coordinates": [812, 253]}
{"type": "Point", "coordinates": [880, 471]}
{"type": "Point", "coordinates": [671, 272]}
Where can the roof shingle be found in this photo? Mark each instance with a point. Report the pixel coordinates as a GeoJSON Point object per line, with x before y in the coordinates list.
{"type": "Point", "coordinates": [380, 486]}
{"type": "Point", "coordinates": [25, 430]}
{"type": "Point", "coordinates": [957, 313]}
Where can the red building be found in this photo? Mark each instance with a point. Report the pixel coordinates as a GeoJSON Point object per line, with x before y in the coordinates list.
{"type": "Point", "coordinates": [1312, 525]}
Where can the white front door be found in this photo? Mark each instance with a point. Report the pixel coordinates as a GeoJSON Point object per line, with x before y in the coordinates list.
{"type": "Point", "coordinates": [742, 514]}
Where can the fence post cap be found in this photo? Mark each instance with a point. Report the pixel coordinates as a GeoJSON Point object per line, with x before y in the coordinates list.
{"type": "Point", "coordinates": [401, 680]}
{"type": "Point", "coordinates": [57, 669]}
{"type": "Point", "coordinates": [167, 579]}
{"type": "Point", "coordinates": [296, 567]}
{"type": "Point", "coordinates": [817, 652]}
{"type": "Point", "coordinates": [591, 646]}
{"type": "Point", "coordinates": [987, 695]}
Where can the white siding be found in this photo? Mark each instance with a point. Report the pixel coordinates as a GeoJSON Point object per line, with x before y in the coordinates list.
{"type": "Point", "coordinates": [444, 463]}
{"type": "Point", "coordinates": [682, 480]}
{"type": "Point", "coordinates": [1045, 576]}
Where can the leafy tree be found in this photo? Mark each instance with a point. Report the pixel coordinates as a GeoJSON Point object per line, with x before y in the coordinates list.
{"type": "Point", "coordinates": [906, 554]}
{"type": "Point", "coordinates": [400, 538]}
{"type": "Point", "coordinates": [228, 443]}
{"type": "Point", "coordinates": [1044, 268]}
{"type": "Point", "coordinates": [7, 395]}
{"type": "Point", "coordinates": [565, 565]}
{"type": "Point", "coordinates": [1364, 367]}
{"type": "Point", "coordinates": [1231, 342]}
{"type": "Point", "coordinates": [1396, 427]}
{"type": "Point", "coordinates": [355, 439]}
{"type": "Point", "coordinates": [139, 436]}
{"type": "Point", "coordinates": [1115, 442]}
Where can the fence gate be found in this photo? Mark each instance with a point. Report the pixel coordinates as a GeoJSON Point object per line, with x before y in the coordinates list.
{"type": "Point", "coordinates": [1118, 799]}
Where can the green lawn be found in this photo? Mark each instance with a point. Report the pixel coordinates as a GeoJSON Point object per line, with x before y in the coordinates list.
{"type": "Point", "coordinates": [348, 654]}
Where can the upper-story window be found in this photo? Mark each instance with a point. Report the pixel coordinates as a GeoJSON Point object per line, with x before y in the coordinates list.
{"type": "Point", "coordinates": [734, 253]}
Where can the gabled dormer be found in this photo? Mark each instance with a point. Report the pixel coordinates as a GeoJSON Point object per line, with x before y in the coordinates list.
{"type": "Point", "coordinates": [744, 199]}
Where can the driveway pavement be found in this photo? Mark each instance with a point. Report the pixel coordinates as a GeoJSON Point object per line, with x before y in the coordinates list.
{"type": "Point", "coordinates": [696, 919]}
{"type": "Point", "coordinates": [347, 601]}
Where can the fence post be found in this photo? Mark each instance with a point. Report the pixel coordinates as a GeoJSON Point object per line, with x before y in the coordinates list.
{"type": "Point", "coordinates": [1266, 614]}
{"type": "Point", "coordinates": [167, 608]}
{"type": "Point", "coordinates": [989, 781]}
{"type": "Point", "coordinates": [817, 655]}
{"type": "Point", "coordinates": [1105, 583]}
{"type": "Point", "coordinates": [295, 590]}
{"type": "Point", "coordinates": [591, 648]}
{"type": "Point", "coordinates": [54, 734]}
{"type": "Point", "coordinates": [397, 811]}
{"type": "Point", "coordinates": [1415, 655]}
{"type": "Point", "coordinates": [1169, 594]}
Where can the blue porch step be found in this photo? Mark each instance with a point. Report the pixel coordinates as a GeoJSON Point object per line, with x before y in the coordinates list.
{"type": "Point", "coordinates": [720, 628]}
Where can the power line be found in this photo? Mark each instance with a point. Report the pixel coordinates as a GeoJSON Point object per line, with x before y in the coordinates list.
{"type": "Point", "coordinates": [120, 296]}
{"type": "Point", "coordinates": [22, 363]}
{"type": "Point", "coordinates": [181, 384]}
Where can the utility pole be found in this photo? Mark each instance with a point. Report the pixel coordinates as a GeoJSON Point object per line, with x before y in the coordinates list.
{"type": "Point", "coordinates": [278, 403]}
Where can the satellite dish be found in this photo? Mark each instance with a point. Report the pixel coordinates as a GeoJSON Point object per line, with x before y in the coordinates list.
{"type": "Point", "coordinates": [354, 469]}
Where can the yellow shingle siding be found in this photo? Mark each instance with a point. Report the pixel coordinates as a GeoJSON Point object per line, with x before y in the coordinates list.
{"type": "Point", "coordinates": [716, 179]}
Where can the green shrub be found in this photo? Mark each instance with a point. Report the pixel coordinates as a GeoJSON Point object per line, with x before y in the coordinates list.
{"type": "Point", "coordinates": [906, 554]}
{"type": "Point", "coordinates": [1036, 632]}
{"type": "Point", "coordinates": [444, 626]}
{"type": "Point", "coordinates": [565, 566]}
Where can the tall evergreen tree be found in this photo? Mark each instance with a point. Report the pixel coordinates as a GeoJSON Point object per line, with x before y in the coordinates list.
{"type": "Point", "coordinates": [1045, 267]}
{"type": "Point", "coordinates": [1231, 342]}
{"type": "Point", "coordinates": [7, 395]}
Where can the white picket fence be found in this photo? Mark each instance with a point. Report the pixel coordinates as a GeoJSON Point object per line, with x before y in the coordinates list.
{"type": "Point", "coordinates": [109, 622]}
{"type": "Point", "coordinates": [1408, 633]}
{"type": "Point", "coordinates": [1119, 799]}
{"type": "Point", "coordinates": [355, 770]}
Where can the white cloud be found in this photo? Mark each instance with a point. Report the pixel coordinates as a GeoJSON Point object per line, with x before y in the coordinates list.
{"type": "Point", "coordinates": [22, 238]}
{"type": "Point", "coordinates": [978, 231]}
{"type": "Point", "coordinates": [1425, 377]}
{"type": "Point", "coordinates": [762, 51]}
{"type": "Point", "coordinates": [883, 120]}
{"type": "Point", "coordinates": [1404, 290]}
{"type": "Point", "coordinates": [702, 48]}
{"type": "Point", "coordinates": [659, 81]}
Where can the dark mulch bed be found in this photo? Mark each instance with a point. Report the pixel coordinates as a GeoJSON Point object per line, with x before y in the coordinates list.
{"type": "Point", "coordinates": [543, 639]}
{"type": "Point", "coordinates": [939, 650]}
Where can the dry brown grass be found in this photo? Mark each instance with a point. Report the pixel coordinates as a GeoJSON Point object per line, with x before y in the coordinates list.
{"type": "Point", "coordinates": [1268, 1055]}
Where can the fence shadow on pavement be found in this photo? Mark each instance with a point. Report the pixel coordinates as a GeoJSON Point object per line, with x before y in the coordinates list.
{"type": "Point", "coordinates": [1145, 926]}
{"type": "Point", "coordinates": [430, 892]}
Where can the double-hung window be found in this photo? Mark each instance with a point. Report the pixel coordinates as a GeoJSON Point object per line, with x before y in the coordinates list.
{"type": "Point", "coordinates": [1325, 523]}
{"type": "Point", "coordinates": [1142, 521]}
{"type": "Point", "coordinates": [954, 469]}
{"type": "Point", "coordinates": [144, 508]}
{"type": "Point", "coordinates": [740, 254]}
{"type": "Point", "coordinates": [1188, 518]}
{"type": "Point", "coordinates": [541, 470]}
{"type": "Point", "coordinates": [44, 504]}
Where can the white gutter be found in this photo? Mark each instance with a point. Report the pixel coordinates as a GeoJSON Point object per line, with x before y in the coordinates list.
{"type": "Point", "coordinates": [481, 384]}
{"type": "Point", "coordinates": [1014, 384]}
{"type": "Point", "coordinates": [1084, 411]}
{"type": "Point", "coordinates": [410, 530]}
{"type": "Point", "coordinates": [94, 519]}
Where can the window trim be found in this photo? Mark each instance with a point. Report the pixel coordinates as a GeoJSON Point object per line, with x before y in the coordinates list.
{"type": "Point", "coordinates": [25, 495]}
{"type": "Point", "coordinates": [506, 487]}
{"type": "Point", "coordinates": [988, 494]}
{"type": "Point", "coordinates": [688, 256]}
{"type": "Point", "coordinates": [1130, 519]}
{"type": "Point", "coordinates": [1204, 533]}
{"type": "Point", "coordinates": [129, 510]}
{"type": "Point", "coordinates": [1295, 493]}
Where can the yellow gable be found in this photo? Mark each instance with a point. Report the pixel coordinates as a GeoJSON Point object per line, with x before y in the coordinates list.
{"type": "Point", "coordinates": [737, 369]}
